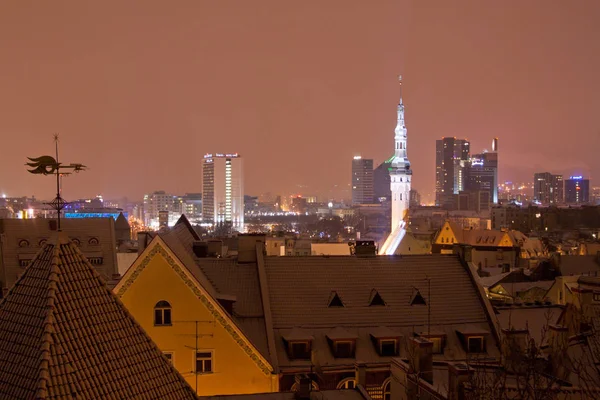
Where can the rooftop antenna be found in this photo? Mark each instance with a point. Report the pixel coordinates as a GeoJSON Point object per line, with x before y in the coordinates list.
{"type": "Point", "coordinates": [48, 165]}
{"type": "Point", "coordinates": [400, 83]}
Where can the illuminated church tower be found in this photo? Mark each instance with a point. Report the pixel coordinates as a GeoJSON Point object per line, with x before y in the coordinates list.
{"type": "Point", "coordinates": [400, 180]}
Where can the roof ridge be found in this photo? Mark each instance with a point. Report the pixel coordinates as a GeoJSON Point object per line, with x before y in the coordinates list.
{"type": "Point", "coordinates": [46, 339]}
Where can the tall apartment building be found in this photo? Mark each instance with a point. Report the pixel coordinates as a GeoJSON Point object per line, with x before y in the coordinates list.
{"type": "Point", "coordinates": [548, 188]}
{"type": "Point", "coordinates": [451, 163]}
{"type": "Point", "coordinates": [156, 202]}
{"type": "Point", "coordinates": [223, 190]}
{"type": "Point", "coordinates": [577, 190]}
{"type": "Point", "coordinates": [362, 181]}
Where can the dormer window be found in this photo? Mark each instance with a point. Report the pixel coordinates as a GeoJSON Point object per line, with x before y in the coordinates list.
{"type": "Point", "coordinates": [388, 347]}
{"type": "Point", "coordinates": [299, 350]}
{"type": "Point", "coordinates": [473, 339]}
{"type": "Point", "coordinates": [342, 342]}
{"type": "Point", "coordinates": [298, 344]}
{"type": "Point", "coordinates": [438, 339]}
{"type": "Point", "coordinates": [376, 299]}
{"type": "Point", "coordinates": [386, 341]}
{"type": "Point", "coordinates": [335, 300]}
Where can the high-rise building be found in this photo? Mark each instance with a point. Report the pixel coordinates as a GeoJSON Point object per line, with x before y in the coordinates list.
{"type": "Point", "coordinates": [415, 198]}
{"type": "Point", "coordinates": [381, 181]}
{"type": "Point", "coordinates": [482, 175]}
{"type": "Point", "coordinates": [223, 190]}
{"type": "Point", "coordinates": [577, 190]}
{"type": "Point", "coordinates": [451, 163]}
{"type": "Point", "coordinates": [400, 182]}
{"type": "Point", "coordinates": [547, 188]}
{"type": "Point", "coordinates": [362, 181]}
{"type": "Point", "coordinates": [595, 195]}
{"type": "Point", "coordinates": [156, 202]}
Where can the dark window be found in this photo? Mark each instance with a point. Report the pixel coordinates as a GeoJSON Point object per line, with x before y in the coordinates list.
{"type": "Point", "coordinates": [475, 344]}
{"type": "Point", "coordinates": [376, 299]}
{"type": "Point", "coordinates": [417, 299]}
{"type": "Point", "coordinates": [203, 362]}
{"type": "Point", "coordinates": [169, 356]}
{"type": "Point", "coordinates": [162, 313]}
{"type": "Point", "coordinates": [596, 296]}
{"type": "Point", "coordinates": [387, 347]}
{"type": "Point", "coordinates": [335, 300]}
{"type": "Point", "coordinates": [299, 350]}
{"type": "Point", "coordinates": [343, 349]}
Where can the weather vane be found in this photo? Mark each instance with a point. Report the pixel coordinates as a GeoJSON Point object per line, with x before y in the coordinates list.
{"type": "Point", "coordinates": [48, 165]}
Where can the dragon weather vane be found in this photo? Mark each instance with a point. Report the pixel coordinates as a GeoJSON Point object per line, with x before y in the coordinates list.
{"type": "Point", "coordinates": [48, 165]}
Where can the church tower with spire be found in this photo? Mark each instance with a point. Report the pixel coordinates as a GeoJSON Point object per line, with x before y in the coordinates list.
{"type": "Point", "coordinates": [400, 172]}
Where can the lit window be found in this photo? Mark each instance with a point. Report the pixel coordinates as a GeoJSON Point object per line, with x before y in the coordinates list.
{"type": "Point", "coordinates": [596, 296]}
{"type": "Point", "coordinates": [348, 383]}
{"type": "Point", "coordinates": [204, 364]}
{"type": "Point", "coordinates": [162, 313]}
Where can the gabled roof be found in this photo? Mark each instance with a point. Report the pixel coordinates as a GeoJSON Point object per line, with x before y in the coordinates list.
{"type": "Point", "coordinates": [122, 223]}
{"type": "Point", "coordinates": [579, 265]}
{"type": "Point", "coordinates": [63, 334]}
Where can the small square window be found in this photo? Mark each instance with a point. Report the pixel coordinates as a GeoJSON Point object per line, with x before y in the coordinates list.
{"type": "Point", "coordinates": [387, 347]}
{"type": "Point", "coordinates": [475, 344]}
{"type": "Point", "coordinates": [204, 362]}
{"type": "Point", "coordinates": [299, 350]}
{"type": "Point", "coordinates": [596, 296]}
{"type": "Point", "coordinates": [343, 349]}
{"type": "Point", "coordinates": [169, 355]}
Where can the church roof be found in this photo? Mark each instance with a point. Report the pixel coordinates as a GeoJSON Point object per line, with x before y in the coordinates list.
{"type": "Point", "coordinates": [63, 334]}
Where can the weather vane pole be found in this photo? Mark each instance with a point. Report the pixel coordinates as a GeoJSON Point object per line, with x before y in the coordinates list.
{"type": "Point", "coordinates": [48, 165]}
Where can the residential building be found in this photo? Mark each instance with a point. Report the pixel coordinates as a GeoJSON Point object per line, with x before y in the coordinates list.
{"type": "Point", "coordinates": [156, 202]}
{"type": "Point", "coordinates": [577, 190]}
{"type": "Point", "coordinates": [22, 239]}
{"type": "Point", "coordinates": [65, 335]}
{"type": "Point", "coordinates": [548, 188]}
{"type": "Point", "coordinates": [362, 180]}
{"type": "Point", "coordinates": [191, 206]}
{"type": "Point", "coordinates": [223, 190]}
{"type": "Point", "coordinates": [264, 321]}
{"type": "Point", "coordinates": [451, 163]}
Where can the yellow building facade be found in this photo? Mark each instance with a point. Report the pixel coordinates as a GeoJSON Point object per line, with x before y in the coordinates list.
{"type": "Point", "coordinates": [191, 327]}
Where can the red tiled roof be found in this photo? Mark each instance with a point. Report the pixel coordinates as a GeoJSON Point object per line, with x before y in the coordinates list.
{"type": "Point", "coordinates": [63, 334]}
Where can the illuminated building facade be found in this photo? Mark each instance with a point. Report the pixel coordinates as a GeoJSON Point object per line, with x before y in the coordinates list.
{"type": "Point", "coordinates": [400, 181]}
{"type": "Point", "coordinates": [362, 181]}
{"type": "Point", "coordinates": [451, 164]}
{"type": "Point", "coordinates": [577, 190]}
{"type": "Point", "coordinates": [156, 202]}
{"type": "Point", "coordinates": [547, 188]}
{"type": "Point", "coordinates": [482, 174]}
{"type": "Point", "coordinates": [223, 190]}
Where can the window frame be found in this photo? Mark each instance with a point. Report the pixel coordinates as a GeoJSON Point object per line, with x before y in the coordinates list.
{"type": "Point", "coordinates": [387, 384]}
{"type": "Point", "coordinates": [343, 384]}
{"type": "Point", "coordinates": [381, 343]}
{"type": "Point", "coordinates": [203, 359]}
{"type": "Point", "coordinates": [475, 337]}
{"type": "Point", "coordinates": [308, 349]}
{"type": "Point", "coordinates": [161, 309]}
{"type": "Point", "coordinates": [336, 352]}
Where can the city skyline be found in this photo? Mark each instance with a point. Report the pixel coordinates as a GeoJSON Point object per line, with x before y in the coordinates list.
{"type": "Point", "coordinates": [139, 116]}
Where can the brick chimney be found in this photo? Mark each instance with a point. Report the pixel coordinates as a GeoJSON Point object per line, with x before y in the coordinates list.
{"type": "Point", "coordinates": [360, 373]}
{"type": "Point", "coordinates": [304, 385]}
{"type": "Point", "coordinates": [458, 374]}
{"type": "Point", "coordinates": [422, 359]}
{"type": "Point", "coordinates": [514, 348]}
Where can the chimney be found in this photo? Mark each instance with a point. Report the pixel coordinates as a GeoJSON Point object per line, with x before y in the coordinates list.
{"type": "Point", "coordinates": [215, 248]}
{"type": "Point", "coordinates": [360, 373]}
{"type": "Point", "coordinates": [559, 344]}
{"type": "Point", "coordinates": [422, 363]}
{"type": "Point", "coordinates": [458, 374]}
{"type": "Point", "coordinates": [247, 246]}
{"type": "Point", "coordinates": [304, 385]}
{"type": "Point", "coordinates": [143, 238]}
{"type": "Point", "coordinates": [200, 249]}
{"type": "Point", "coordinates": [365, 248]}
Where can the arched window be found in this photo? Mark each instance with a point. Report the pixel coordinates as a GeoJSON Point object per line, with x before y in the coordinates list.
{"type": "Point", "coordinates": [162, 313]}
{"type": "Point", "coordinates": [313, 384]}
{"type": "Point", "coordinates": [387, 393]}
{"type": "Point", "coordinates": [348, 383]}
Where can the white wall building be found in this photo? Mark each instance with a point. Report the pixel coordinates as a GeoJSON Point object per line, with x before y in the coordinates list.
{"type": "Point", "coordinates": [223, 190]}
